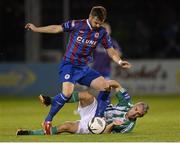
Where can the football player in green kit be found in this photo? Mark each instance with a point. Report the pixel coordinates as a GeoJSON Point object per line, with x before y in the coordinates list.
{"type": "Point", "coordinates": [120, 118]}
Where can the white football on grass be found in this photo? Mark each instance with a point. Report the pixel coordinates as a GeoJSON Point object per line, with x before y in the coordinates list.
{"type": "Point", "coordinates": [97, 125]}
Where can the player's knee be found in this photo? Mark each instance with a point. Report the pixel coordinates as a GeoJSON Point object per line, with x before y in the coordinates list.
{"type": "Point", "coordinates": [85, 99]}
{"type": "Point", "coordinates": [100, 84]}
{"type": "Point", "coordinates": [67, 93]}
{"type": "Point", "coordinates": [85, 95]}
{"type": "Point", "coordinates": [67, 89]}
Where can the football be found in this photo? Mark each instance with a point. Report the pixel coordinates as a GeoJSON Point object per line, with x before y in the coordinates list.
{"type": "Point", "coordinates": [97, 125]}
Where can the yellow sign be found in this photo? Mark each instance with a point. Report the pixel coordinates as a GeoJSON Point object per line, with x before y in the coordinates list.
{"type": "Point", "coordinates": [17, 78]}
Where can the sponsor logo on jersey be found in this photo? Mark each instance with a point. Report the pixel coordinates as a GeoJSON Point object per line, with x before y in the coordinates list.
{"type": "Point", "coordinates": [86, 41]}
{"type": "Point", "coordinates": [67, 76]}
{"type": "Point", "coordinates": [96, 35]}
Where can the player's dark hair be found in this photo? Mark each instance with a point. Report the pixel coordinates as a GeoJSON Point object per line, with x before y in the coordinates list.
{"type": "Point", "coordinates": [99, 12]}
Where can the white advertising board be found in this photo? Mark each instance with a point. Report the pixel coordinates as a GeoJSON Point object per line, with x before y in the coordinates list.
{"type": "Point", "coordinates": [149, 76]}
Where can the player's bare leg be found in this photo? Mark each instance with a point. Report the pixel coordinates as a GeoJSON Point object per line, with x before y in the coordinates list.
{"type": "Point", "coordinates": [85, 98]}
{"type": "Point", "coordinates": [69, 126]}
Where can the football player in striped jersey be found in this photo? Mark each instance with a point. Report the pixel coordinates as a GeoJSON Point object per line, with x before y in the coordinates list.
{"type": "Point", "coordinates": [120, 118]}
{"type": "Point", "coordinates": [84, 35]}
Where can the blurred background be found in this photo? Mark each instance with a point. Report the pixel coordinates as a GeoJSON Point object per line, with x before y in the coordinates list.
{"type": "Point", "coordinates": [147, 32]}
{"type": "Point", "coordinates": [148, 35]}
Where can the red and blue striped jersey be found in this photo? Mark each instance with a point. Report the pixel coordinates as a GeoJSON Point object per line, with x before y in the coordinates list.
{"type": "Point", "coordinates": [83, 39]}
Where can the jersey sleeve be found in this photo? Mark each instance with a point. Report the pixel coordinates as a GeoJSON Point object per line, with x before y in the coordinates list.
{"type": "Point", "coordinates": [106, 41]}
{"type": "Point", "coordinates": [123, 99]}
{"type": "Point", "coordinates": [69, 26]}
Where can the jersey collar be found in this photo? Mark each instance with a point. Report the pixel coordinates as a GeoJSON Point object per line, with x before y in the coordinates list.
{"type": "Point", "coordinates": [88, 23]}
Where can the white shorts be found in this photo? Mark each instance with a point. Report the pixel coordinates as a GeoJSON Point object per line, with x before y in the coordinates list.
{"type": "Point", "coordinates": [86, 114]}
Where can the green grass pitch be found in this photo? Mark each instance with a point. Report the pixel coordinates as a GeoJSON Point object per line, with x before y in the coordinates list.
{"type": "Point", "coordinates": [162, 123]}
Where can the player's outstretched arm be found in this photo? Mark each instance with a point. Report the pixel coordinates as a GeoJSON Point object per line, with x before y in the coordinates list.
{"type": "Point", "coordinates": [114, 84]}
{"type": "Point", "coordinates": [115, 56]}
{"type": "Point", "coordinates": [44, 29]}
{"type": "Point", "coordinates": [108, 128]}
{"type": "Point", "coordinates": [111, 125]}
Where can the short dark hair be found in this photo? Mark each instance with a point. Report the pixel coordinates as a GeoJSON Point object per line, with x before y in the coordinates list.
{"type": "Point", "coordinates": [99, 12]}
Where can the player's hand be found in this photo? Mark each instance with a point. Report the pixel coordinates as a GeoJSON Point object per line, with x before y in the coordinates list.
{"type": "Point", "coordinates": [30, 26]}
{"type": "Point", "coordinates": [125, 64]}
{"type": "Point", "coordinates": [117, 122]}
